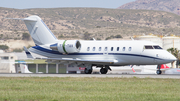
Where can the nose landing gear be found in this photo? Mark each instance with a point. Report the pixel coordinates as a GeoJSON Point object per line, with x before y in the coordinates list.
{"type": "Point", "coordinates": [159, 70]}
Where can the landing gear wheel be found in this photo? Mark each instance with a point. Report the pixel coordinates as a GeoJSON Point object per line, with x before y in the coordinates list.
{"type": "Point", "coordinates": [87, 71]}
{"type": "Point", "coordinates": [103, 70]}
{"type": "Point", "coordinates": [158, 72]}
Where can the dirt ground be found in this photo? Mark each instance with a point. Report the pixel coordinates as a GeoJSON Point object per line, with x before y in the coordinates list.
{"type": "Point", "coordinates": [14, 44]}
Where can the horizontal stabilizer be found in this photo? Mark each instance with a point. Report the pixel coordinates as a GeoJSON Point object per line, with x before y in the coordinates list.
{"type": "Point", "coordinates": [28, 53]}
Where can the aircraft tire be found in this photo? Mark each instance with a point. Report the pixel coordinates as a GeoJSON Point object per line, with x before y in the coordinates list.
{"type": "Point", "coordinates": [87, 71]}
{"type": "Point", "coordinates": [103, 70]}
{"type": "Point", "coordinates": [158, 72]}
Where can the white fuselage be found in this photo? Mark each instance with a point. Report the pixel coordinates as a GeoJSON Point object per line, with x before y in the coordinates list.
{"type": "Point", "coordinates": [129, 52]}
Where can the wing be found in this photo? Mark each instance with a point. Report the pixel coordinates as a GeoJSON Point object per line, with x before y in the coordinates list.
{"type": "Point", "coordinates": [70, 60]}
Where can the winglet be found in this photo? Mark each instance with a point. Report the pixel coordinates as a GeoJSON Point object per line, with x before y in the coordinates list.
{"type": "Point", "coordinates": [28, 53]}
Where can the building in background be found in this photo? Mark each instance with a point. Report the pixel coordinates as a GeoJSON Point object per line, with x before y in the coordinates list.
{"type": "Point", "coordinates": [165, 42]}
{"type": "Point", "coordinates": [7, 62]}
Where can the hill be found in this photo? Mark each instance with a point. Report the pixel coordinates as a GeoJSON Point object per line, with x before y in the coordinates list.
{"type": "Point", "coordinates": [162, 5]}
{"type": "Point", "coordinates": [85, 23]}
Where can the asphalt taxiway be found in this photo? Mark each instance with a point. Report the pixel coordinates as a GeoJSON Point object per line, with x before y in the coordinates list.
{"type": "Point", "coordinates": [94, 75]}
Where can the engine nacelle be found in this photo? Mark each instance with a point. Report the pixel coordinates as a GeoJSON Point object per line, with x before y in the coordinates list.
{"type": "Point", "coordinates": [67, 46]}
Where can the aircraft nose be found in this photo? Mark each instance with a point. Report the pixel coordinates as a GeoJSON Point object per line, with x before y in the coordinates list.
{"type": "Point", "coordinates": [173, 58]}
{"type": "Point", "coordinates": [170, 57]}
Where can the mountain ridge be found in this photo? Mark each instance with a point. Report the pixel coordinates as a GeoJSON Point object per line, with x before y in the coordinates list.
{"type": "Point", "coordinates": [162, 5]}
{"type": "Point", "coordinates": [97, 22]}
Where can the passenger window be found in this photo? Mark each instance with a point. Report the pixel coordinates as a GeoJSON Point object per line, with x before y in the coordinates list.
{"type": "Point", "coordinates": [124, 48]}
{"type": "Point", "coordinates": [99, 48]}
{"type": "Point", "coordinates": [148, 47]}
{"type": "Point", "coordinates": [111, 48]}
{"type": "Point", "coordinates": [117, 48]}
{"type": "Point", "coordinates": [130, 48]}
{"type": "Point", "coordinates": [88, 48]}
{"type": "Point", "coordinates": [105, 49]}
{"type": "Point", "coordinates": [94, 48]}
{"type": "Point", "coordinates": [157, 47]}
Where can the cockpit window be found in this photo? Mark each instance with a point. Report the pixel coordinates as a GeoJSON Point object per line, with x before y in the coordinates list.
{"type": "Point", "coordinates": [157, 47]}
{"type": "Point", "coordinates": [148, 47]}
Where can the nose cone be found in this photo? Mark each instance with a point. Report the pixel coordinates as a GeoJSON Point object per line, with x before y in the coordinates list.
{"type": "Point", "coordinates": [167, 57]}
{"type": "Point", "coordinates": [171, 57]}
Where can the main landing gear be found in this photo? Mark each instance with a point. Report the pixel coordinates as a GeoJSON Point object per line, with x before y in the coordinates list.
{"type": "Point", "coordinates": [103, 70]}
{"type": "Point", "coordinates": [159, 70]}
{"type": "Point", "coordinates": [88, 69]}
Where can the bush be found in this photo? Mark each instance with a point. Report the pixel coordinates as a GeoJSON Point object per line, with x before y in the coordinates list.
{"type": "Point", "coordinates": [118, 36]}
{"type": "Point", "coordinates": [25, 36]}
{"type": "Point", "coordinates": [108, 38]}
{"type": "Point", "coordinates": [87, 36]}
{"type": "Point", "coordinates": [61, 36]}
{"type": "Point", "coordinates": [17, 50]}
{"type": "Point", "coordinates": [98, 26]}
{"type": "Point", "coordinates": [4, 47]}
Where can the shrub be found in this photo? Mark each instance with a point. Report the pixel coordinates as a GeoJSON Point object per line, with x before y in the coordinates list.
{"type": "Point", "coordinates": [4, 47]}
{"type": "Point", "coordinates": [25, 36]}
{"type": "Point", "coordinates": [87, 36]}
{"type": "Point", "coordinates": [17, 50]}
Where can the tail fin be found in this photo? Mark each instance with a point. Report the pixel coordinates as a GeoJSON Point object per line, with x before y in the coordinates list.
{"type": "Point", "coordinates": [24, 68]}
{"type": "Point", "coordinates": [38, 30]}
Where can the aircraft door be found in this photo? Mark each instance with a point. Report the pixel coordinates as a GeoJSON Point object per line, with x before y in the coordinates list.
{"type": "Point", "coordinates": [147, 52]}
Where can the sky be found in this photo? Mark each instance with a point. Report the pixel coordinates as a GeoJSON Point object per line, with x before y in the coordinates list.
{"type": "Point", "coordinates": [25, 4]}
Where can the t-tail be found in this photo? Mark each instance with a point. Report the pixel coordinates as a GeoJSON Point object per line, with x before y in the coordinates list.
{"type": "Point", "coordinates": [38, 30]}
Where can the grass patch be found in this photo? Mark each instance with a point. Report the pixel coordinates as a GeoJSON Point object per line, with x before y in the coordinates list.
{"type": "Point", "coordinates": [87, 89]}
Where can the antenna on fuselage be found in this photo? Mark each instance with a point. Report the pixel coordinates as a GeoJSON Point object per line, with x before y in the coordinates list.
{"type": "Point", "coordinates": [94, 39]}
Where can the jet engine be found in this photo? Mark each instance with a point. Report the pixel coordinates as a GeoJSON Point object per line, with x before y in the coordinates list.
{"type": "Point", "coordinates": [67, 46]}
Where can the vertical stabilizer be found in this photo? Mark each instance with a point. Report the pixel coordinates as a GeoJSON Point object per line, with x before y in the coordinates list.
{"type": "Point", "coordinates": [24, 68]}
{"type": "Point", "coordinates": [40, 33]}
{"type": "Point", "coordinates": [38, 30]}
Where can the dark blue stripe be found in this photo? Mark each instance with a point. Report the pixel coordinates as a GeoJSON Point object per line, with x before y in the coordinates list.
{"type": "Point", "coordinates": [57, 53]}
{"type": "Point", "coordinates": [28, 53]}
{"type": "Point", "coordinates": [47, 50]}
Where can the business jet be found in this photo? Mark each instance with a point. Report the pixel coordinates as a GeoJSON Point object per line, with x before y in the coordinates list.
{"type": "Point", "coordinates": [102, 54]}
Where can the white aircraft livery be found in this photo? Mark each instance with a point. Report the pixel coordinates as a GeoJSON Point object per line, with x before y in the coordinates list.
{"type": "Point", "coordinates": [101, 54]}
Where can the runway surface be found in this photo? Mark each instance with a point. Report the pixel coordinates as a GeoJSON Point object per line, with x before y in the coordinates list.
{"type": "Point", "coordinates": [94, 75]}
